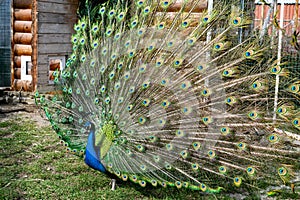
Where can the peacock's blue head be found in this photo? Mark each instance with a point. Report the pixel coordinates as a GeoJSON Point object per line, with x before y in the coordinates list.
{"type": "Point", "coordinates": [92, 152]}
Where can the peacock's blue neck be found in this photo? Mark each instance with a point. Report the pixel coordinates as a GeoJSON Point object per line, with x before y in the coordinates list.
{"type": "Point", "coordinates": [92, 154]}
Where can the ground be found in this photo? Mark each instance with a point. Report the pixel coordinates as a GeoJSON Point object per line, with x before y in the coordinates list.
{"type": "Point", "coordinates": [35, 166]}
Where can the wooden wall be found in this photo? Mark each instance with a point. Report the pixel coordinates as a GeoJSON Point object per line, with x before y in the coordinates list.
{"type": "Point", "coordinates": [22, 42]}
{"type": "Point", "coordinates": [55, 22]}
{"type": "Point", "coordinates": [289, 18]}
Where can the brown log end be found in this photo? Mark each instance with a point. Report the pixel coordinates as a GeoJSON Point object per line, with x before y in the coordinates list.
{"type": "Point", "coordinates": [22, 4]}
{"type": "Point", "coordinates": [22, 38]}
{"type": "Point", "coordinates": [23, 14]}
{"type": "Point", "coordinates": [22, 85]}
{"type": "Point", "coordinates": [22, 26]}
{"type": "Point", "coordinates": [22, 49]}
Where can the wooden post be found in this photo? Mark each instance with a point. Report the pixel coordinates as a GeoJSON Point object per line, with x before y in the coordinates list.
{"type": "Point", "coordinates": [34, 70]}
{"type": "Point", "coordinates": [279, 59]}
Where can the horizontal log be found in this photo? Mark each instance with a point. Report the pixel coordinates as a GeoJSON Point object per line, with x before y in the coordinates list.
{"type": "Point", "coordinates": [17, 61]}
{"type": "Point", "coordinates": [60, 1]}
{"type": "Point", "coordinates": [58, 49]}
{"type": "Point", "coordinates": [66, 18]}
{"type": "Point", "coordinates": [22, 26]}
{"type": "Point", "coordinates": [22, 4]}
{"type": "Point", "coordinates": [17, 73]}
{"type": "Point", "coordinates": [22, 50]}
{"type": "Point", "coordinates": [55, 28]}
{"type": "Point", "coordinates": [22, 85]}
{"type": "Point", "coordinates": [54, 64]}
{"type": "Point", "coordinates": [22, 38]}
{"type": "Point", "coordinates": [62, 8]}
{"type": "Point", "coordinates": [54, 38]}
{"type": "Point", "coordinates": [23, 14]}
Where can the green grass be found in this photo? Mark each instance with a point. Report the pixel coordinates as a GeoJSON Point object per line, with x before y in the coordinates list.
{"type": "Point", "coordinates": [35, 166]}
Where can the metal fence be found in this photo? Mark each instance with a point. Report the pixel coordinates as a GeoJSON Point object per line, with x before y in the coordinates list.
{"type": "Point", "coordinates": [5, 43]}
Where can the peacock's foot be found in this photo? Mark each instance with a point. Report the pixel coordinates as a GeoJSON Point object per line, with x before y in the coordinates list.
{"type": "Point", "coordinates": [113, 184]}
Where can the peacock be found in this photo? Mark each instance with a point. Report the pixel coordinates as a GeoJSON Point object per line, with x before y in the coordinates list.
{"type": "Point", "coordinates": [163, 96]}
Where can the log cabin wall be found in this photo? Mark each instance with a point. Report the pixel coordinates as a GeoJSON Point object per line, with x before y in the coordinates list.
{"type": "Point", "coordinates": [22, 27]}
{"type": "Point", "coordinates": [55, 22]}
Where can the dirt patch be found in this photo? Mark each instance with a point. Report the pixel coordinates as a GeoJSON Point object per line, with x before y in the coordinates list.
{"type": "Point", "coordinates": [29, 111]}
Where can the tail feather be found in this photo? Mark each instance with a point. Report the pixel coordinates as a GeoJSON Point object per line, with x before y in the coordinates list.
{"type": "Point", "coordinates": [171, 108]}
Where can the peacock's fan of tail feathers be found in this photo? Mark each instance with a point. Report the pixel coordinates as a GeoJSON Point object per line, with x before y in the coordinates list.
{"type": "Point", "coordinates": [176, 101]}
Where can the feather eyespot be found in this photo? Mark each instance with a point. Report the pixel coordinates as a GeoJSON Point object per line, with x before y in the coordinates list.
{"type": "Point", "coordinates": [168, 166]}
{"type": "Point", "coordinates": [180, 133]}
{"type": "Point", "coordinates": [124, 177]}
{"type": "Point", "coordinates": [102, 10]}
{"type": "Point", "coordinates": [111, 13]}
{"type": "Point", "coordinates": [205, 92]}
{"type": "Point", "coordinates": [191, 41]}
{"type": "Point", "coordinates": [161, 26]}
{"type": "Point", "coordinates": [206, 19]}
{"type": "Point", "coordinates": [195, 166]}
{"type": "Point", "coordinates": [165, 4]}
{"type": "Point", "coordinates": [140, 3]}
{"type": "Point", "coordinates": [108, 32]}
{"type": "Point", "coordinates": [95, 28]}
{"type": "Point", "coordinates": [250, 171]}
{"type": "Point", "coordinates": [185, 24]}
{"type": "Point", "coordinates": [203, 187]}
{"type": "Point", "coordinates": [146, 10]}
{"type": "Point", "coordinates": [230, 100]}
{"type": "Point", "coordinates": [273, 138]}
{"type": "Point", "coordinates": [121, 16]}
{"type": "Point", "coordinates": [169, 147]}
{"type": "Point", "coordinates": [159, 63]}
{"type": "Point", "coordinates": [196, 145]}
{"type": "Point", "coordinates": [225, 131]}
{"type": "Point", "coordinates": [211, 154]}
{"type": "Point", "coordinates": [237, 181]}
{"type": "Point", "coordinates": [236, 21]}
{"type": "Point", "coordinates": [294, 88]}
{"type": "Point", "coordinates": [184, 154]}
{"type": "Point", "coordinates": [178, 184]}
{"type": "Point", "coordinates": [129, 107]}
{"type": "Point", "coordinates": [134, 23]}
{"type": "Point", "coordinates": [254, 115]}
{"type": "Point", "coordinates": [107, 100]}
{"type": "Point", "coordinates": [242, 146]}
{"type": "Point", "coordinates": [295, 122]}
{"type": "Point", "coordinates": [282, 171]}
{"type": "Point", "coordinates": [207, 120]}
{"type": "Point", "coordinates": [222, 169]}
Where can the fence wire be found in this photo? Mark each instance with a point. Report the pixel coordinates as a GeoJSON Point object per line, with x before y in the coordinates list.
{"type": "Point", "coordinates": [5, 43]}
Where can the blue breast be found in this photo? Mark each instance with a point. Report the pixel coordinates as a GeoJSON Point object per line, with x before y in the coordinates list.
{"type": "Point", "coordinates": [92, 154]}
